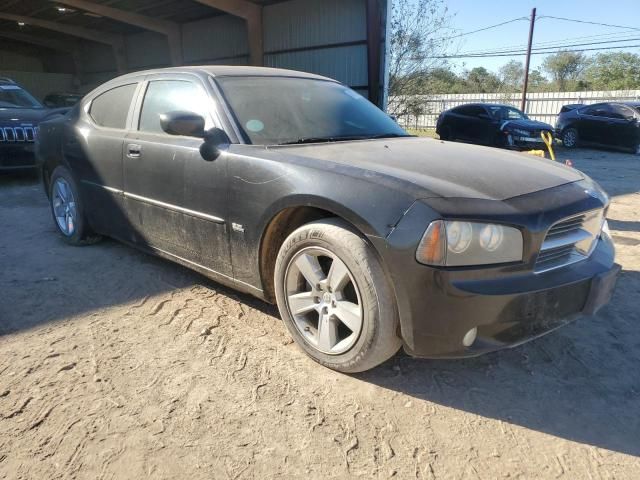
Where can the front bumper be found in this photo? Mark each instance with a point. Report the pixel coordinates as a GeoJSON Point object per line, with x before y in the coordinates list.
{"type": "Point", "coordinates": [17, 156]}
{"type": "Point", "coordinates": [508, 304]}
{"type": "Point", "coordinates": [510, 319]}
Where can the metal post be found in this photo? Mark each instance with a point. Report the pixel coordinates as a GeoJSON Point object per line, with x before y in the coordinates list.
{"type": "Point", "coordinates": [526, 65]}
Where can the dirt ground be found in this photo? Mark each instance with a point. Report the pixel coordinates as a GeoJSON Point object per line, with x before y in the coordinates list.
{"type": "Point", "coordinates": [116, 364]}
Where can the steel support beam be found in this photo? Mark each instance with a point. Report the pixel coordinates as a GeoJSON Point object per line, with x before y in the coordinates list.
{"type": "Point", "coordinates": [374, 50]}
{"type": "Point", "coordinates": [170, 29]}
{"type": "Point", "coordinates": [116, 42]}
{"type": "Point", "coordinates": [60, 46]}
{"type": "Point", "coordinates": [252, 14]}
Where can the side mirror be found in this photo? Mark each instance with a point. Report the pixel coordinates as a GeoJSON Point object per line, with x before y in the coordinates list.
{"type": "Point", "coordinates": [188, 124]}
{"type": "Point", "coordinates": [49, 104]}
{"type": "Point", "coordinates": [213, 140]}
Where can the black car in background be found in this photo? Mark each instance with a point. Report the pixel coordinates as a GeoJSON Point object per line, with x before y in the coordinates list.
{"type": "Point", "coordinates": [296, 189]}
{"type": "Point", "coordinates": [491, 124]}
{"type": "Point", "coordinates": [20, 115]}
{"type": "Point", "coordinates": [61, 99]}
{"type": "Point", "coordinates": [609, 124]}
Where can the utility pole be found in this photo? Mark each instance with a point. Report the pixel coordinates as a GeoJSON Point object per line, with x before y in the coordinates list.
{"type": "Point", "coordinates": [526, 65]}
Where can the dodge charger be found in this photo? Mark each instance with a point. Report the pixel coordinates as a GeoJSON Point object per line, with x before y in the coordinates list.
{"type": "Point", "coordinates": [296, 189]}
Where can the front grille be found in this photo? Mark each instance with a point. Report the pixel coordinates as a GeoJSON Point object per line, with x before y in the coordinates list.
{"type": "Point", "coordinates": [570, 240]}
{"type": "Point", "coordinates": [18, 134]}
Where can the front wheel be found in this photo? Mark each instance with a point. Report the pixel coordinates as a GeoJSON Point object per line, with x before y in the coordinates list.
{"type": "Point", "coordinates": [334, 297]}
{"type": "Point", "coordinates": [67, 209]}
{"type": "Point", "coordinates": [570, 138]}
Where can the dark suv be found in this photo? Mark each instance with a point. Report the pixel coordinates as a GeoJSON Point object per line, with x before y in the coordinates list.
{"type": "Point", "coordinates": [20, 114]}
{"type": "Point", "coordinates": [609, 124]}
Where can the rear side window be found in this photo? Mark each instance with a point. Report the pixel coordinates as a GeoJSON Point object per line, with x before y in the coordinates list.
{"type": "Point", "coordinates": [165, 96]}
{"type": "Point", "coordinates": [111, 108]}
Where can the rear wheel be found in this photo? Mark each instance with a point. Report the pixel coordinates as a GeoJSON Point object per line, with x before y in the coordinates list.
{"type": "Point", "coordinates": [67, 209]}
{"type": "Point", "coordinates": [334, 297]}
{"type": "Point", "coordinates": [445, 133]}
{"type": "Point", "coordinates": [570, 138]}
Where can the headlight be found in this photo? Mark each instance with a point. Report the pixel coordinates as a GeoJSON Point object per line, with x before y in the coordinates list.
{"type": "Point", "coordinates": [458, 243]}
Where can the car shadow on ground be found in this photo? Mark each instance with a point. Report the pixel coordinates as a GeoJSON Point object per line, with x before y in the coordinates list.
{"type": "Point", "coordinates": [580, 383]}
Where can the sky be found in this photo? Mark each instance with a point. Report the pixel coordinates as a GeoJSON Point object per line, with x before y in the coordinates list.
{"type": "Point", "coordinates": [473, 15]}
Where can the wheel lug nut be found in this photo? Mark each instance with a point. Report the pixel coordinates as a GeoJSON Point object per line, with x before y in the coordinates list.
{"type": "Point", "coordinates": [316, 299]}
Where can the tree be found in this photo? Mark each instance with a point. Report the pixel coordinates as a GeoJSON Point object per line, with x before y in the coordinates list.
{"type": "Point", "coordinates": [512, 75]}
{"type": "Point", "coordinates": [537, 81]}
{"type": "Point", "coordinates": [419, 32]}
{"type": "Point", "coordinates": [614, 71]}
{"type": "Point", "coordinates": [565, 68]}
{"type": "Point", "coordinates": [481, 80]}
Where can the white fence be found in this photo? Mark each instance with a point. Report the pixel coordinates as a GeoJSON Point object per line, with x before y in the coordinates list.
{"type": "Point", "coordinates": [421, 111]}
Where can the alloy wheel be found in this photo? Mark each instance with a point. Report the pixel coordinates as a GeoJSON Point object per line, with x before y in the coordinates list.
{"type": "Point", "coordinates": [324, 301]}
{"type": "Point", "coordinates": [569, 139]}
{"type": "Point", "coordinates": [64, 206]}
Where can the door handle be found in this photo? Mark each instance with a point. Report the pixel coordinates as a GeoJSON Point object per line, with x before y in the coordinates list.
{"type": "Point", "coordinates": [134, 150]}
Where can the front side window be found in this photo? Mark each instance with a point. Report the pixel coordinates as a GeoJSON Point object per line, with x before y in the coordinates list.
{"type": "Point", "coordinates": [13, 96]}
{"type": "Point", "coordinates": [500, 112]}
{"type": "Point", "coordinates": [286, 110]}
{"type": "Point", "coordinates": [622, 112]}
{"type": "Point", "coordinates": [111, 108]}
{"type": "Point", "coordinates": [165, 96]}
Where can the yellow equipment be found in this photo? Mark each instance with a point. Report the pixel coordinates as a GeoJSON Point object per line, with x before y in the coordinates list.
{"type": "Point", "coordinates": [547, 138]}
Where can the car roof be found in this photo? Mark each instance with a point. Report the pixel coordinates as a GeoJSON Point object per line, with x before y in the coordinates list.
{"type": "Point", "coordinates": [228, 70]}
{"type": "Point", "coordinates": [484, 105]}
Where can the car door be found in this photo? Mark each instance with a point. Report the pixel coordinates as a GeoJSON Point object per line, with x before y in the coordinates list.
{"type": "Point", "coordinates": [484, 130]}
{"type": "Point", "coordinates": [591, 123]}
{"type": "Point", "coordinates": [176, 200]}
{"type": "Point", "coordinates": [623, 127]}
{"type": "Point", "coordinates": [462, 122]}
{"type": "Point", "coordinates": [94, 151]}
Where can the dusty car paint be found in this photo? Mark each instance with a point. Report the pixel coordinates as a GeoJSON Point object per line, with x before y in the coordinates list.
{"type": "Point", "coordinates": [213, 215]}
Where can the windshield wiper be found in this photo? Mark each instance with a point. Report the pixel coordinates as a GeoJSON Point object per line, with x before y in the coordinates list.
{"type": "Point", "coordinates": [344, 138]}
{"type": "Point", "coordinates": [322, 140]}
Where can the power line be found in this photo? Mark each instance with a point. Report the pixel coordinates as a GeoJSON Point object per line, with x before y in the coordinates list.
{"type": "Point", "coordinates": [534, 53]}
{"type": "Point", "coordinates": [487, 28]}
{"type": "Point", "coordinates": [588, 22]}
{"type": "Point", "coordinates": [558, 43]}
{"type": "Point", "coordinates": [541, 49]}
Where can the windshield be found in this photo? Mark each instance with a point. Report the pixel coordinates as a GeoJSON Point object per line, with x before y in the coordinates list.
{"type": "Point", "coordinates": [12, 96]}
{"type": "Point", "coordinates": [283, 110]}
{"type": "Point", "coordinates": [500, 112]}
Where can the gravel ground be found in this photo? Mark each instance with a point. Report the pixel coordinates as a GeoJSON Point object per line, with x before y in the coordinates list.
{"type": "Point", "coordinates": [116, 364]}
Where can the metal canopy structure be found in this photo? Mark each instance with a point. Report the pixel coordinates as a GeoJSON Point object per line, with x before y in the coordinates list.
{"type": "Point", "coordinates": [343, 39]}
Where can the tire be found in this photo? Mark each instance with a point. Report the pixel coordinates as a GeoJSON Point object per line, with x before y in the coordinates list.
{"type": "Point", "coordinates": [67, 209]}
{"type": "Point", "coordinates": [570, 138]}
{"type": "Point", "coordinates": [445, 133]}
{"type": "Point", "coordinates": [327, 251]}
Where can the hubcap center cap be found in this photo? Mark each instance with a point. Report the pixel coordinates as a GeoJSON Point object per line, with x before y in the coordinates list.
{"type": "Point", "coordinates": [326, 297]}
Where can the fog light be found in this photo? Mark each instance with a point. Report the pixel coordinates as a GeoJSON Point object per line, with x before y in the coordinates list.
{"type": "Point", "coordinates": [470, 337]}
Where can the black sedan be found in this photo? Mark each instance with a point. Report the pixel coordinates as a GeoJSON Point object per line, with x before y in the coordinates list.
{"type": "Point", "coordinates": [609, 124]}
{"type": "Point", "coordinates": [20, 114]}
{"type": "Point", "coordinates": [296, 189]}
{"type": "Point", "coordinates": [490, 124]}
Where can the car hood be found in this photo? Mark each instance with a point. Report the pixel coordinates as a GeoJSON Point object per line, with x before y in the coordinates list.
{"type": "Point", "coordinates": [526, 124]}
{"type": "Point", "coordinates": [443, 169]}
{"type": "Point", "coordinates": [31, 116]}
